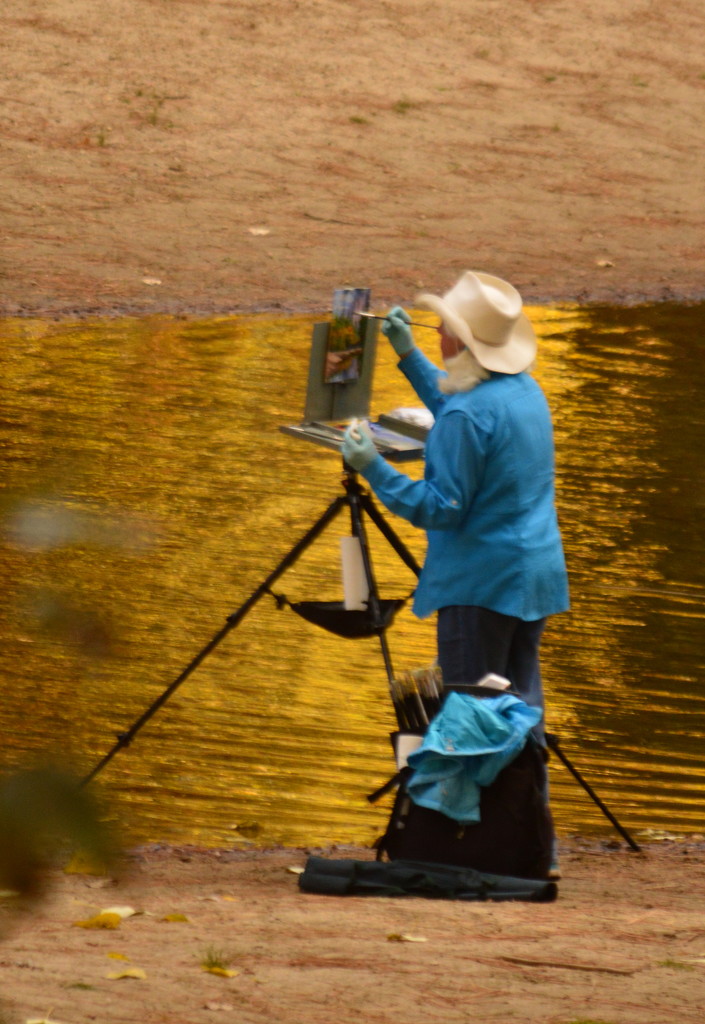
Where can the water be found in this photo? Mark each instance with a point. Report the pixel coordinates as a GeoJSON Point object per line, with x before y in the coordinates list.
{"type": "Point", "coordinates": [148, 491]}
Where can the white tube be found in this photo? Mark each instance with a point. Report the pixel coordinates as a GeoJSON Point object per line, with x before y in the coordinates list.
{"type": "Point", "coordinates": [355, 589]}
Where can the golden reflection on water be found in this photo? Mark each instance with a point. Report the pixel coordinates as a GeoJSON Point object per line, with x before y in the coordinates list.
{"type": "Point", "coordinates": [148, 491]}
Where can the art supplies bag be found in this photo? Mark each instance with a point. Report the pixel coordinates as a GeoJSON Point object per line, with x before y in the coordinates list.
{"type": "Point", "coordinates": [513, 837]}
{"type": "Point", "coordinates": [473, 793]}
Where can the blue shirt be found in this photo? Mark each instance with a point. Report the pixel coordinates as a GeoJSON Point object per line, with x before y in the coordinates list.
{"type": "Point", "coordinates": [487, 498]}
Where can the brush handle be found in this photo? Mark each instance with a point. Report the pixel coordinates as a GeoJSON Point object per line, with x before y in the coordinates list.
{"type": "Point", "coordinates": [375, 316]}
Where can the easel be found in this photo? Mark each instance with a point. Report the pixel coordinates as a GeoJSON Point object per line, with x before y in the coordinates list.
{"type": "Point", "coordinates": [374, 621]}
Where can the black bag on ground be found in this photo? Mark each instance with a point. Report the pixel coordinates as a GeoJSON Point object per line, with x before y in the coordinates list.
{"type": "Point", "coordinates": [514, 836]}
{"type": "Point", "coordinates": [413, 878]}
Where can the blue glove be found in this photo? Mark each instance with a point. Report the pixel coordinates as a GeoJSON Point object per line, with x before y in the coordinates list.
{"type": "Point", "coordinates": [396, 327]}
{"type": "Point", "coordinates": [358, 449]}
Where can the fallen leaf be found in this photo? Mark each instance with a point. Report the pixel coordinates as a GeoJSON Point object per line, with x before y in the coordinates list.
{"type": "Point", "coordinates": [122, 912]}
{"type": "Point", "coordinates": [399, 937]}
{"type": "Point", "coordinates": [100, 921]}
{"type": "Point", "coordinates": [117, 956]}
{"type": "Point", "coordinates": [151, 280]}
{"type": "Point", "coordinates": [605, 263]}
{"type": "Point", "coordinates": [129, 972]}
{"type": "Point", "coordinates": [175, 917]}
{"type": "Point", "coordinates": [258, 231]}
{"type": "Point", "coordinates": [222, 972]}
{"type": "Point", "coordinates": [293, 870]}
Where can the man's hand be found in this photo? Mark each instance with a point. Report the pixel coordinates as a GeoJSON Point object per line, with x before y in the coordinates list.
{"type": "Point", "coordinates": [396, 328]}
{"type": "Point", "coordinates": [358, 448]}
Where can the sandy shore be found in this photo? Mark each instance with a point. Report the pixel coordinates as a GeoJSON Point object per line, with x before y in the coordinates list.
{"type": "Point", "coordinates": [171, 156]}
{"type": "Point", "coordinates": [623, 944]}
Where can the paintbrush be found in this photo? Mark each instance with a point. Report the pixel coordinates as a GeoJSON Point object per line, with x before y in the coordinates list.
{"type": "Point", "coordinates": [375, 316]}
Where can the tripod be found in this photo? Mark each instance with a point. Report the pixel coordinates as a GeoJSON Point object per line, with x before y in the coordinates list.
{"type": "Point", "coordinates": [373, 621]}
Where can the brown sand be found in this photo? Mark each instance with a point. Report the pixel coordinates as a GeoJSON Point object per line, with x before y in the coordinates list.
{"type": "Point", "coordinates": [623, 944]}
{"type": "Point", "coordinates": [250, 156]}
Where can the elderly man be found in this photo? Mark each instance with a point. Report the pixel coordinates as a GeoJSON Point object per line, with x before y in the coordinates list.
{"type": "Point", "coordinates": [494, 567]}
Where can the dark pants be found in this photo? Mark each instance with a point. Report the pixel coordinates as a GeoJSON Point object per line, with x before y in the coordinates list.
{"type": "Point", "coordinates": [473, 641]}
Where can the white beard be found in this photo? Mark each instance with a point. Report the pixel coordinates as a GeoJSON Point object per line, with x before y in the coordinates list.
{"type": "Point", "coordinates": [464, 373]}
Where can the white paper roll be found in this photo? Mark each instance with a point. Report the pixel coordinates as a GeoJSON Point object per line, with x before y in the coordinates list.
{"type": "Point", "coordinates": [355, 589]}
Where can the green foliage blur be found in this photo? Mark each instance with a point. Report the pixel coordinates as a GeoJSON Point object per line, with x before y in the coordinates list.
{"type": "Point", "coordinates": [45, 816]}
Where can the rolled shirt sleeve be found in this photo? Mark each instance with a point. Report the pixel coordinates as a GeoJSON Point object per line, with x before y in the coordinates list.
{"type": "Point", "coordinates": [443, 498]}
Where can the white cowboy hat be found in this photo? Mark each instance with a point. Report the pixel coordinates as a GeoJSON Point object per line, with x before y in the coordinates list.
{"type": "Point", "coordinates": [485, 313]}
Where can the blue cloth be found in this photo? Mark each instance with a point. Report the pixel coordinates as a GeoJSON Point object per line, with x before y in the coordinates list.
{"type": "Point", "coordinates": [466, 745]}
{"type": "Point", "coordinates": [487, 497]}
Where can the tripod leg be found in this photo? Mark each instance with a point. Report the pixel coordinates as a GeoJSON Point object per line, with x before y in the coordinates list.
{"type": "Point", "coordinates": [124, 739]}
{"type": "Point", "coordinates": [552, 742]}
{"type": "Point", "coordinates": [389, 534]}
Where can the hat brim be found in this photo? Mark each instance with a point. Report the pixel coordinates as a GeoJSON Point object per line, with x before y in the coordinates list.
{"type": "Point", "coordinates": [514, 356]}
